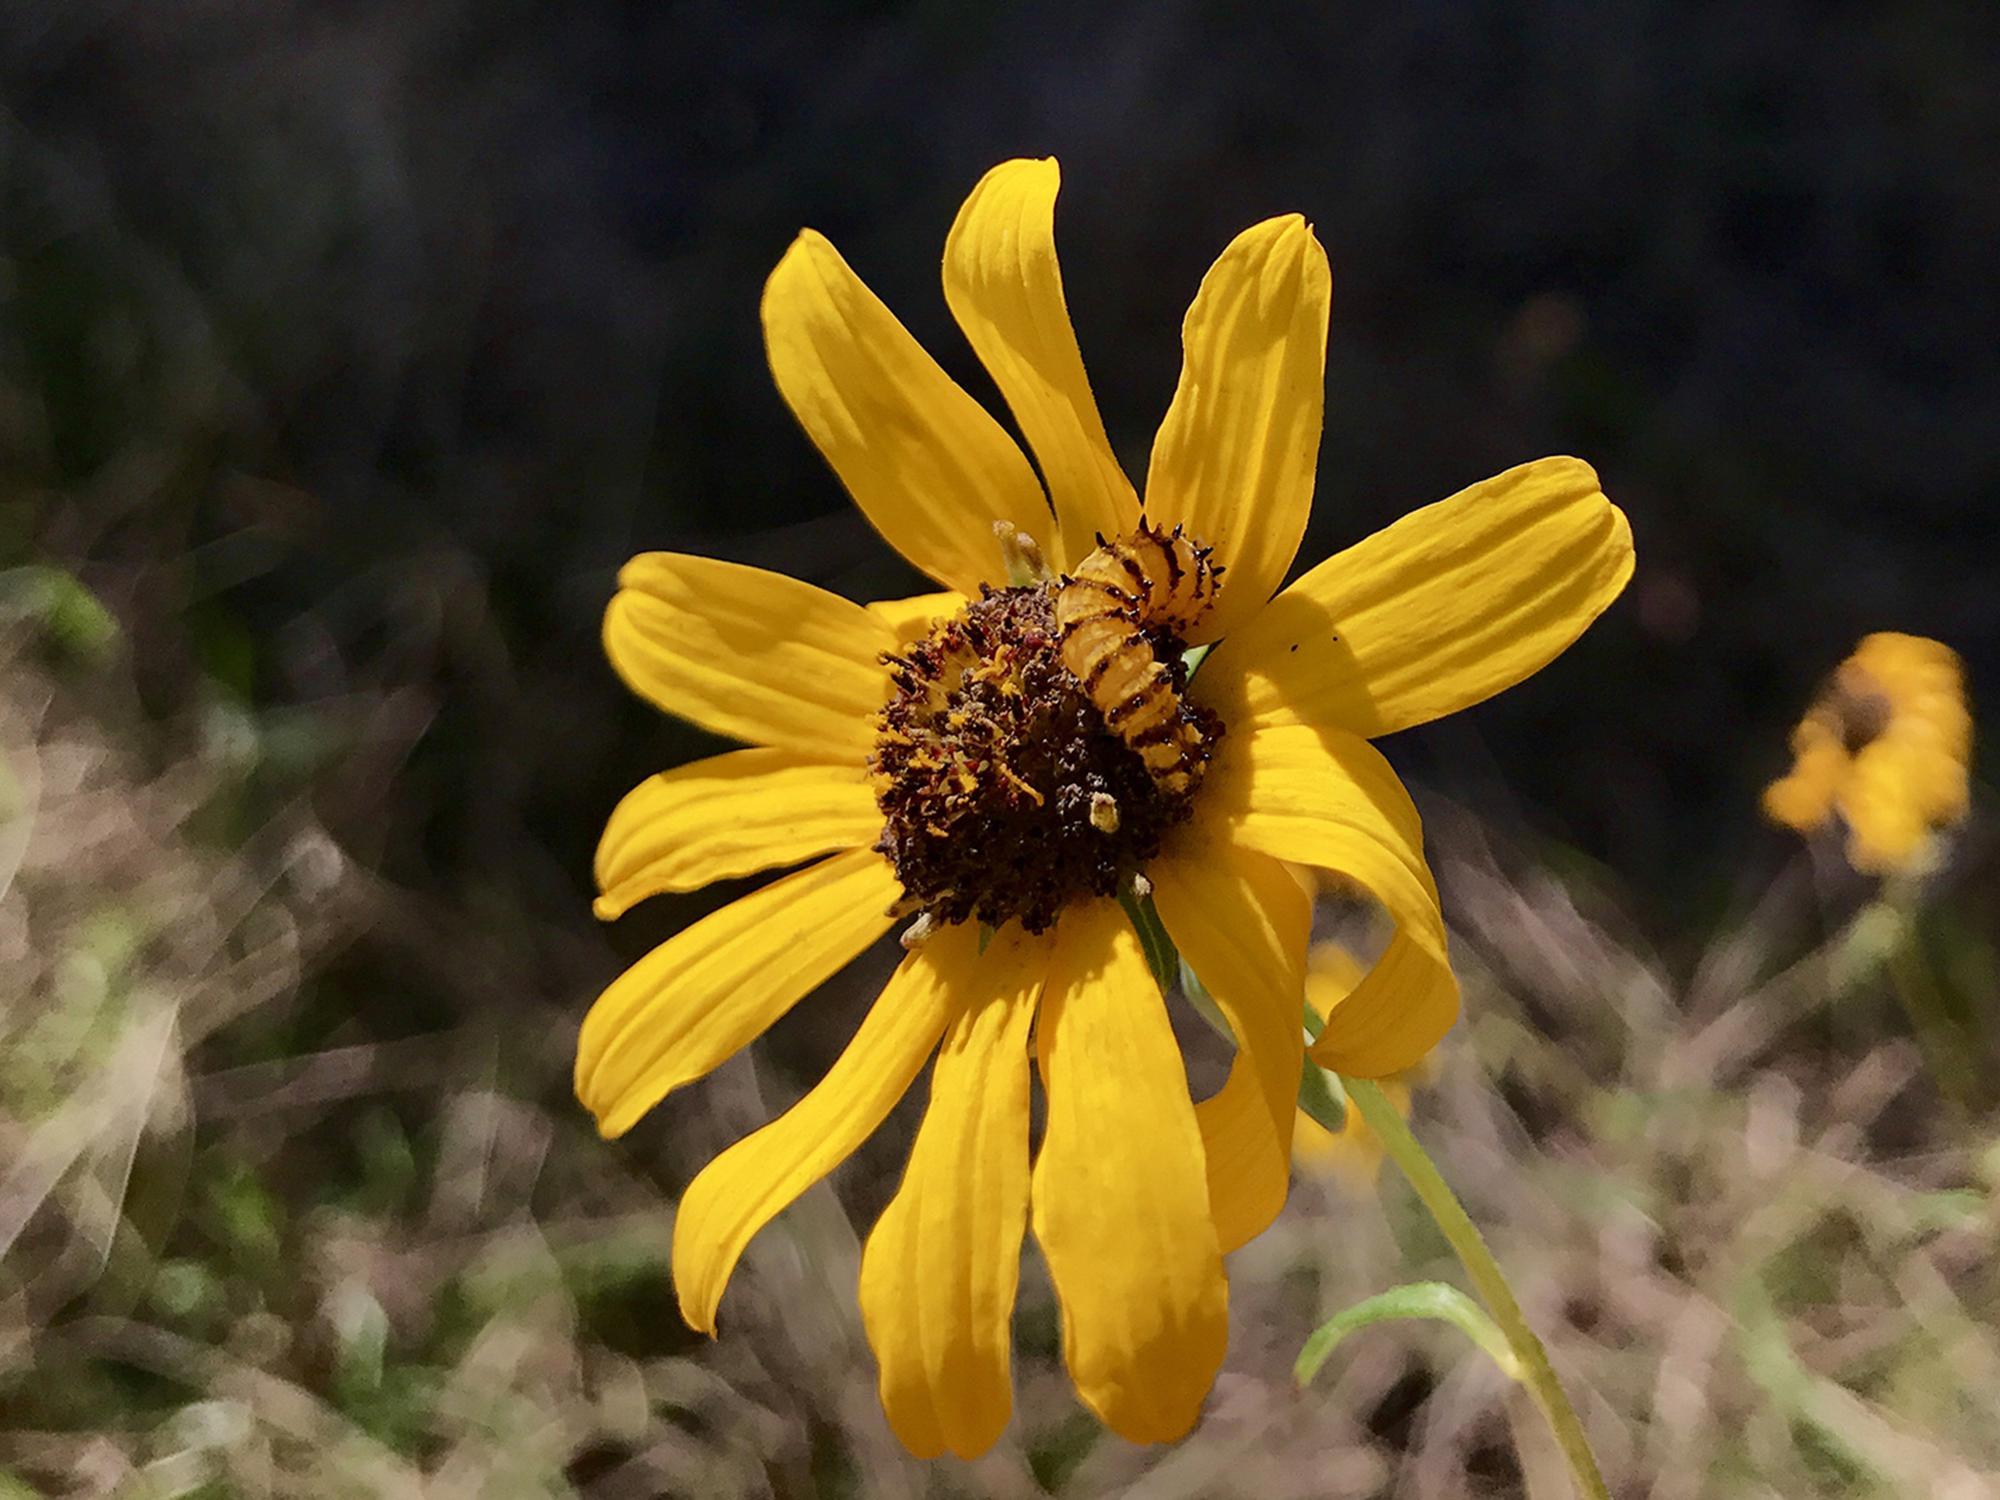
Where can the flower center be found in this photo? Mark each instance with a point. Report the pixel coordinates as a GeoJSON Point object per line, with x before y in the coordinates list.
{"type": "Point", "coordinates": [1858, 709]}
{"type": "Point", "coordinates": [1039, 744]}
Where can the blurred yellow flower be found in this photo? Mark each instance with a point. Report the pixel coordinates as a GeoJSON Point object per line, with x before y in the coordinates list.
{"type": "Point", "coordinates": [1886, 745]}
{"type": "Point", "coordinates": [1001, 760]}
{"type": "Point", "coordinates": [1353, 1155]}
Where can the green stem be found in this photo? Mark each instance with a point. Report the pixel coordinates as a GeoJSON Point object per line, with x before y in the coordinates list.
{"type": "Point", "coordinates": [1466, 1241]}
{"type": "Point", "coordinates": [1938, 1034]}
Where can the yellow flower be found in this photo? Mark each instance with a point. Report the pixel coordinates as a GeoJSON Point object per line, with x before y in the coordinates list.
{"type": "Point", "coordinates": [1353, 1155]}
{"type": "Point", "coordinates": [945, 759]}
{"type": "Point", "coordinates": [1886, 745]}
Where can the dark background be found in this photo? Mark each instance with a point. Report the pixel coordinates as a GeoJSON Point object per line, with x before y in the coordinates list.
{"type": "Point", "coordinates": [348, 348]}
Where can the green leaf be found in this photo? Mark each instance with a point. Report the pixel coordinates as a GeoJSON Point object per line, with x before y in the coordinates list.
{"type": "Point", "coordinates": [72, 618]}
{"type": "Point", "coordinates": [1161, 956]}
{"type": "Point", "coordinates": [1418, 1299]}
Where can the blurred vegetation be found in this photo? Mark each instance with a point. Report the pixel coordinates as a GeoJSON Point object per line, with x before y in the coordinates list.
{"type": "Point", "coordinates": [344, 352]}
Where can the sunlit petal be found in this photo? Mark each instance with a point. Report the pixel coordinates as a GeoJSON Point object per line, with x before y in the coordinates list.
{"type": "Point", "coordinates": [703, 994]}
{"type": "Point", "coordinates": [1236, 453]}
{"type": "Point", "coordinates": [753, 655]}
{"type": "Point", "coordinates": [1120, 1197]}
{"type": "Point", "coordinates": [1240, 921]}
{"type": "Point", "coordinates": [924, 461]}
{"type": "Point", "coordinates": [727, 816]}
{"type": "Point", "coordinates": [939, 1272]}
{"type": "Point", "coordinates": [756, 1179]}
{"type": "Point", "coordinates": [1433, 614]}
{"type": "Point", "coordinates": [1327, 799]}
{"type": "Point", "coordinates": [913, 617]}
{"type": "Point", "coordinates": [1004, 286]}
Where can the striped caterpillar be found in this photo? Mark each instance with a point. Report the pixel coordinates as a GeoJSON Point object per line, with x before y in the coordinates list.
{"type": "Point", "coordinates": [1126, 599]}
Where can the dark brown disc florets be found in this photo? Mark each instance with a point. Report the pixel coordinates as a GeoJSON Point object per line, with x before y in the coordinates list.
{"type": "Point", "coordinates": [1856, 708]}
{"type": "Point", "coordinates": [1004, 794]}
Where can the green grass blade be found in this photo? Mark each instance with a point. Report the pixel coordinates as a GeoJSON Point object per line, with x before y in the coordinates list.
{"type": "Point", "coordinates": [1418, 1299]}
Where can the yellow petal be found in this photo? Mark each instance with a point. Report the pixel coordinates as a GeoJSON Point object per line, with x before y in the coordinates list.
{"type": "Point", "coordinates": [912, 618]}
{"type": "Point", "coordinates": [1354, 1156]}
{"type": "Point", "coordinates": [1004, 286]}
{"type": "Point", "coordinates": [730, 815]}
{"type": "Point", "coordinates": [1929, 735]}
{"type": "Point", "coordinates": [756, 1179]}
{"type": "Point", "coordinates": [1120, 1201]}
{"type": "Point", "coordinates": [1900, 701]}
{"type": "Point", "coordinates": [1437, 612]}
{"type": "Point", "coordinates": [940, 1270]}
{"type": "Point", "coordinates": [698, 998]}
{"type": "Point", "coordinates": [1241, 921]}
{"type": "Point", "coordinates": [924, 461]}
{"type": "Point", "coordinates": [1395, 1015]}
{"type": "Point", "coordinates": [1332, 972]}
{"type": "Point", "coordinates": [1329, 800]}
{"type": "Point", "coordinates": [753, 655]}
{"type": "Point", "coordinates": [1804, 798]}
{"type": "Point", "coordinates": [1235, 456]}
{"type": "Point", "coordinates": [1883, 803]}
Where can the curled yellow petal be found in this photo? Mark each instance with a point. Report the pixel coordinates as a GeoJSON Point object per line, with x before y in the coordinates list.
{"type": "Point", "coordinates": [1438, 612]}
{"type": "Point", "coordinates": [1236, 452]}
{"type": "Point", "coordinates": [1394, 1017]}
{"type": "Point", "coordinates": [924, 461]}
{"type": "Point", "coordinates": [1120, 1195]}
{"type": "Point", "coordinates": [730, 815]}
{"type": "Point", "coordinates": [1327, 799]}
{"type": "Point", "coordinates": [753, 655]}
{"type": "Point", "coordinates": [939, 1273]}
{"type": "Point", "coordinates": [703, 994]}
{"type": "Point", "coordinates": [1240, 921]}
{"type": "Point", "coordinates": [1004, 286]}
{"type": "Point", "coordinates": [756, 1179]}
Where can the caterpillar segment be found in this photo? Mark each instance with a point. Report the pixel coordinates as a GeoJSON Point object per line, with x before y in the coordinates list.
{"type": "Point", "coordinates": [1121, 619]}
